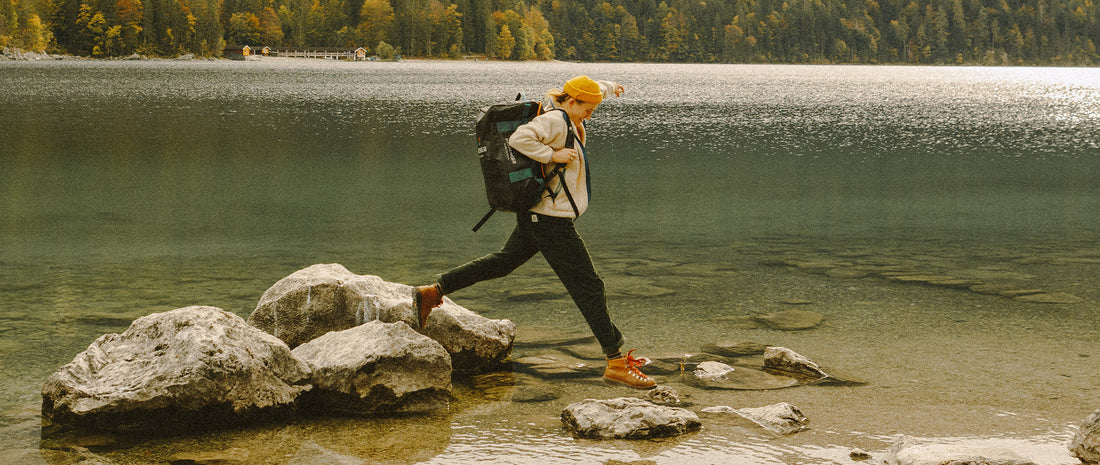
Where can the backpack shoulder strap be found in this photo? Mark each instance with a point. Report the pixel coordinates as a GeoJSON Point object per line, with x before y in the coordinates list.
{"type": "Point", "coordinates": [559, 170]}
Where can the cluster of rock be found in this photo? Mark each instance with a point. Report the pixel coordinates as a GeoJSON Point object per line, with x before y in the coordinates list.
{"type": "Point", "coordinates": [321, 340]}
{"type": "Point", "coordinates": [661, 413]}
{"type": "Point", "coordinates": [325, 340]}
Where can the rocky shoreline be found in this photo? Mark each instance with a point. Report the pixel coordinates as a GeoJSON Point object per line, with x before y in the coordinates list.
{"type": "Point", "coordinates": [15, 54]}
{"type": "Point", "coordinates": [325, 341]}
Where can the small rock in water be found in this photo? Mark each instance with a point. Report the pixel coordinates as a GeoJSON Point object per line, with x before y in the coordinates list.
{"type": "Point", "coordinates": [627, 418]}
{"type": "Point", "coordinates": [791, 320]}
{"type": "Point", "coordinates": [712, 371]}
{"type": "Point", "coordinates": [788, 361]}
{"type": "Point", "coordinates": [859, 455]}
{"type": "Point", "coordinates": [664, 395]}
{"type": "Point", "coordinates": [782, 418]}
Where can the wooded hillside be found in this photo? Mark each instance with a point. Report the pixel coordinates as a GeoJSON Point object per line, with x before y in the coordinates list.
{"type": "Point", "coordinates": [1058, 32]}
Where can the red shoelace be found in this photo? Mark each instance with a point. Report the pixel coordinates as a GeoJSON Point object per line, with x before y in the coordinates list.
{"type": "Point", "coordinates": [632, 364]}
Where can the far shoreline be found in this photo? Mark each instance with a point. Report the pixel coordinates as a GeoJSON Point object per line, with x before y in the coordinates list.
{"type": "Point", "coordinates": [19, 55]}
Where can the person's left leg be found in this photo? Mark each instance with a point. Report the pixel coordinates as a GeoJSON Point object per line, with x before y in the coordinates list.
{"type": "Point", "coordinates": [565, 251]}
{"type": "Point", "coordinates": [567, 255]}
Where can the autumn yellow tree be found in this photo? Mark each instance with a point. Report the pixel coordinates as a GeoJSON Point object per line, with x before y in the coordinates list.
{"type": "Point", "coordinates": [505, 43]}
{"type": "Point", "coordinates": [375, 21]}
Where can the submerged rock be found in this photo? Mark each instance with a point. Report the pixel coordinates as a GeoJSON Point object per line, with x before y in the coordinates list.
{"type": "Point", "coordinates": [788, 361]}
{"type": "Point", "coordinates": [715, 375]}
{"type": "Point", "coordinates": [556, 366]}
{"type": "Point", "coordinates": [377, 368]}
{"type": "Point", "coordinates": [847, 273]}
{"type": "Point", "coordinates": [1086, 443]}
{"type": "Point", "coordinates": [327, 297]}
{"type": "Point", "coordinates": [627, 418]}
{"type": "Point", "coordinates": [193, 366]}
{"type": "Point", "coordinates": [543, 336]}
{"type": "Point", "coordinates": [1051, 298]}
{"type": "Point", "coordinates": [791, 320]}
{"type": "Point", "coordinates": [516, 387]}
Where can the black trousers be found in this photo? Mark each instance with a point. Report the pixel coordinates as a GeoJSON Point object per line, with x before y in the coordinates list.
{"type": "Point", "coordinates": [562, 247]}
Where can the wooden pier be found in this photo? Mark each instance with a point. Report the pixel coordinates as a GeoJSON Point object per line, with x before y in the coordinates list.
{"type": "Point", "coordinates": [353, 54]}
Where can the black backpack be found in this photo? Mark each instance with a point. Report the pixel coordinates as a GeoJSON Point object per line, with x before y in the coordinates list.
{"type": "Point", "coordinates": [513, 182]}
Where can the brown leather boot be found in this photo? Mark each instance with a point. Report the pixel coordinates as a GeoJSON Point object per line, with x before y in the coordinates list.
{"type": "Point", "coordinates": [425, 298]}
{"type": "Point", "coordinates": [624, 370]}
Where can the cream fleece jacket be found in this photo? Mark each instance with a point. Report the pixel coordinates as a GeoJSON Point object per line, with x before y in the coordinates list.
{"type": "Point", "coordinates": [539, 138]}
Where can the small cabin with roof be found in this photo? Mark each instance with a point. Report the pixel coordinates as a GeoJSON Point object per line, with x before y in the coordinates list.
{"type": "Point", "coordinates": [237, 52]}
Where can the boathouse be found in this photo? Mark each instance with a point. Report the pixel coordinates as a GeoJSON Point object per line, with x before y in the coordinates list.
{"type": "Point", "coordinates": [237, 52]}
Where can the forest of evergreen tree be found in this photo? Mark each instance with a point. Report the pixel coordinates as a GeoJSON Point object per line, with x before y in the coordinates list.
{"type": "Point", "coordinates": [996, 32]}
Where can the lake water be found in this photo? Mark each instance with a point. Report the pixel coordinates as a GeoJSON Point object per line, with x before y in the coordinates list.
{"type": "Point", "coordinates": [720, 193]}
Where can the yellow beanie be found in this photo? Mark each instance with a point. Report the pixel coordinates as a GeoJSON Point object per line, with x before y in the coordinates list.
{"type": "Point", "coordinates": [583, 88]}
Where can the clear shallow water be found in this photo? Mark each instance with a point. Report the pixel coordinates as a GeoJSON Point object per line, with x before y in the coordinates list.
{"type": "Point", "coordinates": [130, 188]}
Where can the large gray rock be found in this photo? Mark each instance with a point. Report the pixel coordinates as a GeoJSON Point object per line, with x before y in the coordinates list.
{"type": "Point", "coordinates": [377, 368]}
{"type": "Point", "coordinates": [627, 418]}
{"type": "Point", "coordinates": [1086, 443]}
{"type": "Point", "coordinates": [476, 344]}
{"type": "Point", "coordinates": [193, 366]}
{"type": "Point", "coordinates": [323, 298]}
